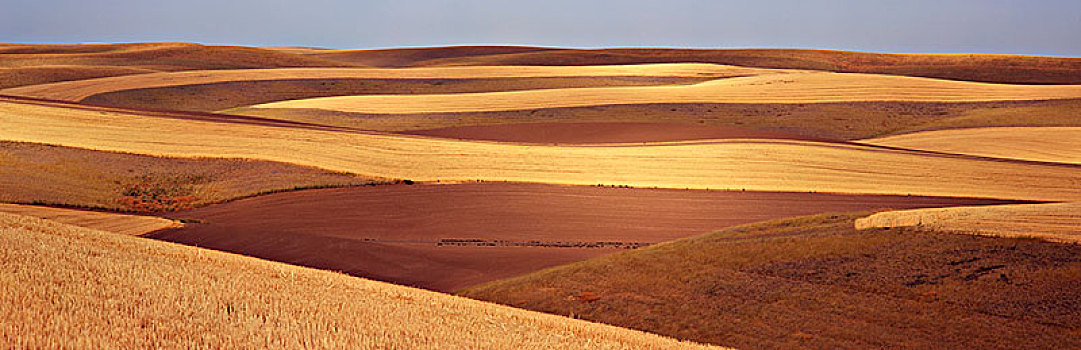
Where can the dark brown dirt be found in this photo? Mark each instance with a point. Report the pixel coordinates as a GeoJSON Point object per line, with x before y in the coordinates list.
{"type": "Point", "coordinates": [221, 96]}
{"type": "Point", "coordinates": [592, 133]}
{"type": "Point", "coordinates": [393, 232]}
{"type": "Point", "coordinates": [816, 283]}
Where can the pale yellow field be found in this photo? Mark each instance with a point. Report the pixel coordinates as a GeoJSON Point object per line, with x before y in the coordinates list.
{"type": "Point", "coordinates": [133, 225]}
{"type": "Point", "coordinates": [770, 88]}
{"type": "Point", "coordinates": [78, 90]}
{"type": "Point", "coordinates": [766, 165]}
{"type": "Point", "coordinates": [1054, 221]}
{"type": "Point", "coordinates": [64, 286]}
{"type": "Point", "coordinates": [1048, 144]}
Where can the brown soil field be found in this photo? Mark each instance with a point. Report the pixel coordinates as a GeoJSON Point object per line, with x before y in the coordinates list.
{"type": "Point", "coordinates": [839, 121]}
{"type": "Point", "coordinates": [44, 174]}
{"type": "Point", "coordinates": [67, 286]}
{"type": "Point", "coordinates": [768, 88]}
{"type": "Point", "coordinates": [78, 90]}
{"type": "Point", "coordinates": [1049, 144]}
{"type": "Point", "coordinates": [816, 282]}
{"type": "Point", "coordinates": [1060, 222]}
{"type": "Point", "coordinates": [393, 233]}
{"type": "Point", "coordinates": [155, 56]}
{"type": "Point", "coordinates": [133, 225]}
{"type": "Point", "coordinates": [599, 133]}
{"type": "Point", "coordinates": [762, 165]}
{"type": "Point", "coordinates": [229, 95]}
{"type": "Point", "coordinates": [21, 76]}
{"type": "Point", "coordinates": [985, 68]}
{"type": "Point", "coordinates": [403, 57]}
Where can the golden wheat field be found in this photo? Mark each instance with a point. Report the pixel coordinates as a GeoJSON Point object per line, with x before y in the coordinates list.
{"type": "Point", "coordinates": [765, 165]}
{"type": "Point", "coordinates": [1048, 144]}
{"type": "Point", "coordinates": [68, 286]}
{"type": "Point", "coordinates": [1055, 221]}
{"type": "Point", "coordinates": [771, 88]}
{"type": "Point", "coordinates": [80, 89]}
{"type": "Point", "coordinates": [133, 225]}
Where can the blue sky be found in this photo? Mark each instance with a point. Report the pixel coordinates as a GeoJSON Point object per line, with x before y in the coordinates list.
{"type": "Point", "coordinates": [1043, 27]}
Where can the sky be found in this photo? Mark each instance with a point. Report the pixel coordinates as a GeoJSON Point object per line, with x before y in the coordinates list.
{"type": "Point", "coordinates": [1038, 27]}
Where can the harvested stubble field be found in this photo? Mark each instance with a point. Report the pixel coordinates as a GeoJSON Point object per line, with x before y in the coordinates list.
{"type": "Point", "coordinates": [987, 68]}
{"type": "Point", "coordinates": [769, 88]}
{"type": "Point", "coordinates": [762, 165]}
{"type": "Point", "coordinates": [839, 121]}
{"type": "Point", "coordinates": [600, 133]}
{"type": "Point", "coordinates": [79, 90]}
{"type": "Point", "coordinates": [1048, 144]}
{"type": "Point", "coordinates": [1060, 222]}
{"type": "Point", "coordinates": [133, 225]}
{"type": "Point", "coordinates": [393, 233]}
{"type": "Point", "coordinates": [817, 282]}
{"type": "Point", "coordinates": [67, 286]}
{"type": "Point", "coordinates": [65, 176]}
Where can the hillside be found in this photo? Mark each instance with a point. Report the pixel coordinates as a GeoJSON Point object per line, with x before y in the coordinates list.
{"type": "Point", "coordinates": [985, 68]}
{"type": "Point", "coordinates": [46, 174]}
{"type": "Point", "coordinates": [71, 286]}
{"type": "Point", "coordinates": [1048, 144]}
{"type": "Point", "coordinates": [762, 165]}
{"type": "Point", "coordinates": [1059, 222]}
{"type": "Point", "coordinates": [817, 282]}
{"type": "Point", "coordinates": [133, 225]}
{"type": "Point", "coordinates": [769, 88]}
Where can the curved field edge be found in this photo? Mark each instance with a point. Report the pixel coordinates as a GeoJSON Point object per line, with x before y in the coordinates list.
{"type": "Point", "coordinates": [74, 177]}
{"type": "Point", "coordinates": [763, 165]}
{"type": "Point", "coordinates": [769, 88]}
{"type": "Point", "coordinates": [132, 225]}
{"type": "Point", "coordinates": [79, 90]}
{"type": "Point", "coordinates": [1059, 222]}
{"type": "Point", "coordinates": [817, 282]}
{"type": "Point", "coordinates": [839, 121]}
{"type": "Point", "coordinates": [1049, 144]}
{"type": "Point", "coordinates": [72, 286]}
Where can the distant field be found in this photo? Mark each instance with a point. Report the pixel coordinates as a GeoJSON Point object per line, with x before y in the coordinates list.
{"type": "Point", "coordinates": [762, 165]}
{"type": "Point", "coordinates": [817, 282]}
{"type": "Point", "coordinates": [1049, 144]}
{"type": "Point", "coordinates": [79, 90]}
{"type": "Point", "coordinates": [839, 121]}
{"type": "Point", "coordinates": [67, 286]}
{"type": "Point", "coordinates": [133, 225]}
{"type": "Point", "coordinates": [437, 236]}
{"type": "Point", "coordinates": [599, 133]}
{"type": "Point", "coordinates": [1060, 222]}
{"type": "Point", "coordinates": [21, 76]}
{"type": "Point", "coordinates": [35, 173]}
{"type": "Point", "coordinates": [986, 68]}
{"type": "Point", "coordinates": [770, 88]}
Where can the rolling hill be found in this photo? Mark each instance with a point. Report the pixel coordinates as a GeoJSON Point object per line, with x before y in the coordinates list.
{"type": "Point", "coordinates": [68, 285]}
{"type": "Point", "coordinates": [817, 282]}
{"type": "Point", "coordinates": [762, 165]}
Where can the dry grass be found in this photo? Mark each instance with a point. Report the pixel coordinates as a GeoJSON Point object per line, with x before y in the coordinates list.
{"type": "Point", "coordinates": [78, 90]}
{"type": "Point", "coordinates": [839, 121]}
{"type": "Point", "coordinates": [21, 76]}
{"type": "Point", "coordinates": [765, 165]}
{"type": "Point", "coordinates": [769, 88]}
{"type": "Point", "coordinates": [817, 283]}
{"type": "Point", "coordinates": [66, 286]}
{"type": "Point", "coordinates": [155, 56]}
{"type": "Point", "coordinates": [132, 225]}
{"type": "Point", "coordinates": [1048, 144]}
{"type": "Point", "coordinates": [1055, 222]}
{"type": "Point", "coordinates": [43, 174]}
{"type": "Point", "coordinates": [988, 68]}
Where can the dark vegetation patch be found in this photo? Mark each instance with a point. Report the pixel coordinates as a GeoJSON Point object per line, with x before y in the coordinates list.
{"type": "Point", "coordinates": [65, 176]}
{"type": "Point", "coordinates": [815, 282]}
